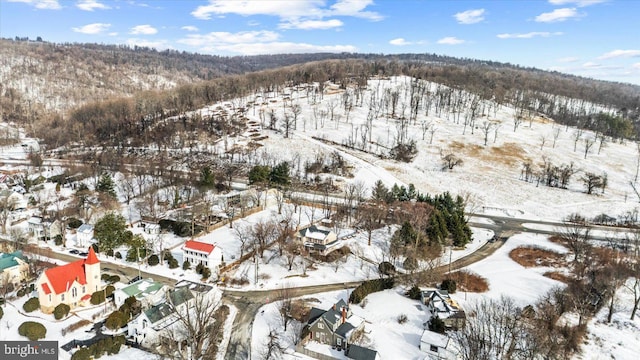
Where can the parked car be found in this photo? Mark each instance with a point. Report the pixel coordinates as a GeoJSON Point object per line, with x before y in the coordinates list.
{"type": "Point", "coordinates": [74, 251]}
{"type": "Point", "coordinates": [83, 253]}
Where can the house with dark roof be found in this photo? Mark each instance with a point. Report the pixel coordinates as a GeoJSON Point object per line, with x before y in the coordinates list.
{"type": "Point", "coordinates": [198, 252]}
{"type": "Point", "coordinates": [317, 238]}
{"type": "Point", "coordinates": [356, 352]}
{"type": "Point", "coordinates": [71, 284]}
{"type": "Point", "coordinates": [335, 326]}
{"type": "Point", "coordinates": [13, 267]}
{"type": "Point", "coordinates": [438, 303]}
{"type": "Point", "coordinates": [149, 325]}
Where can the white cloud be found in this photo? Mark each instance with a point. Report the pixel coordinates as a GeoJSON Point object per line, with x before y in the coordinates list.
{"type": "Point", "coordinates": [529, 35]}
{"type": "Point", "coordinates": [558, 15]}
{"type": "Point", "coordinates": [591, 65]}
{"type": "Point", "coordinates": [451, 40]}
{"type": "Point", "coordinates": [399, 42]}
{"type": "Point", "coordinates": [470, 16]}
{"type": "Point", "coordinates": [293, 10]}
{"type": "Point", "coordinates": [90, 5]}
{"type": "Point", "coordinates": [636, 66]}
{"type": "Point", "coordinates": [143, 30]}
{"type": "Point", "coordinates": [41, 4]}
{"type": "Point", "coordinates": [620, 54]}
{"type": "Point", "coordinates": [217, 38]}
{"type": "Point", "coordinates": [91, 29]}
{"type": "Point", "coordinates": [189, 28]}
{"type": "Point", "coordinates": [311, 24]}
{"type": "Point", "coordinates": [579, 3]}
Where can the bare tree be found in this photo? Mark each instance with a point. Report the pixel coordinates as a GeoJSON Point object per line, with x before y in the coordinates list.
{"type": "Point", "coordinates": [494, 329]}
{"type": "Point", "coordinates": [592, 181]}
{"type": "Point", "coordinates": [588, 143]}
{"type": "Point", "coordinates": [450, 160]}
{"type": "Point", "coordinates": [577, 135]}
{"type": "Point", "coordinates": [285, 299]}
{"type": "Point", "coordinates": [556, 134]}
{"type": "Point", "coordinates": [577, 235]}
{"type": "Point", "coordinates": [543, 140]}
{"type": "Point", "coordinates": [486, 128]}
{"type": "Point", "coordinates": [243, 233]}
{"type": "Point", "coordinates": [272, 348]}
{"type": "Point", "coordinates": [193, 328]}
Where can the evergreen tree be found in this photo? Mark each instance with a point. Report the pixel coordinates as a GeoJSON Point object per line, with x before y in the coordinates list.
{"type": "Point", "coordinates": [110, 231]}
{"type": "Point", "coordinates": [280, 174]}
{"type": "Point", "coordinates": [106, 185]}
{"type": "Point", "coordinates": [259, 174]}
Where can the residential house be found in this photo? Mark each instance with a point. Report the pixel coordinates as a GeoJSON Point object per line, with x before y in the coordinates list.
{"type": "Point", "coordinates": [146, 291]}
{"type": "Point", "coordinates": [197, 252]}
{"type": "Point", "coordinates": [335, 326]}
{"type": "Point", "coordinates": [84, 235]}
{"type": "Point", "coordinates": [149, 326]}
{"type": "Point", "coordinates": [356, 352]}
{"type": "Point", "coordinates": [71, 284]}
{"type": "Point", "coordinates": [439, 303]}
{"type": "Point", "coordinates": [152, 229]}
{"type": "Point", "coordinates": [317, 238]}
{"type": "Point", "coordinates": [13, 268]}
{"type": "Point", "coordinates": [11, 199]}
{"type": "Point", "coordinates": [43, 229]}
{"type": "Point", "coordinates": [438, 346]}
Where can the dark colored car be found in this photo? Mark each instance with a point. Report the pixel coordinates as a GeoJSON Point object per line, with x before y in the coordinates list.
{"type": "Point", "coordinates": [74, 251]}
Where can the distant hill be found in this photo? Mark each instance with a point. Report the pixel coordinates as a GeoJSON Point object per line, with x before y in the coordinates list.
{"type": "Point", "coordinates": [40, 80]}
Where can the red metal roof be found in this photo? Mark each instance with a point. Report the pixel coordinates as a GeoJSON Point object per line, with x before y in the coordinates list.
{"type": "Point", "coordinates": [199, 246]}
{"type": "Point", "coordinates": [62, 277]}
{"type": "Point", "coordinates": [46, 289]}
{"type": "Point", "coordinates": [86, 297]}
{"type": "Point", "coordinates": [91, 258]}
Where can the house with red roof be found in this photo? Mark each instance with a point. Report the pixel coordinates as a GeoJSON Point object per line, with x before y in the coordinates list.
{"type": "Point", "coordinates": [197, 252]}
{"type": "Point", "coordinates": [70, 284]}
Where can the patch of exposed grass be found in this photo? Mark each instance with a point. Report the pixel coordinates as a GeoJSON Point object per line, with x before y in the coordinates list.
{"type": "Point", "coordinates": [529, 256]}
{"type": "Point", "coordinates": [559, 276]}
{"type": "Point", "coordinates": [469, 281]}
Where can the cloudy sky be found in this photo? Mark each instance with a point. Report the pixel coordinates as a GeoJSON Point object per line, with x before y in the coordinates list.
{"type": "Point", "coordinates": [594, 38]}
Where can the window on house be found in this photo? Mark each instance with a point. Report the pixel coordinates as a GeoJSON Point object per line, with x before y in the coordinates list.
{"type": "Point", "coordinates": [74, 292]}
{"type": "Point", "coordinates": [83, 290]}
{"type": "Point", "coordinates": [49, 297]}
{"type": "Point", "coordinates": [433, 348]}
{"type": "Point", "coordinates": [62, 297]}
{"type": "Point", "coordinates": [339, 341]}
{"type": "Point", "coordinates": [320, 326]}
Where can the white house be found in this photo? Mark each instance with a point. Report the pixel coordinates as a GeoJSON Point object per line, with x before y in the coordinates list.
{"type": "Point", "coordinates": [42, 229]}
{"type": "Point", "coordinates": [13, 268]}
{"type": "Point", "coordinates": [84, 235]}
{"type": "Point", "coordinates": [318, 238]}
{"type": "Point", "coordinates": [197, 252]}
{"type": "Point", "coordinates": [438, 303]}
{"type": "Point", "coordinates": [152, 229]}
{"type": "Point", "coordinates": [151, 324]}
{"type": "Point", "coordinates": [146, 291]}
{"type": "Point", "coordinates": [438, 346]}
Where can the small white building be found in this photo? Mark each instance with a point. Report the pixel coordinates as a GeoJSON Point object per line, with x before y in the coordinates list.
{"type": "Point", "coordinates": [13, 268]}
{"type": "Point", "coordinates": [197, 252]}
{"type": "Point", "coordinates": [152, 229]}
{"type": "Point", "coordinates": [438, 346]}
{"type": "Point", "coordinates": [151, 324]}
{"type": "Point", "coordinates": [84, 235]}
{"type": "Point", "coordinates": [146, 291]}
{"type": "Point", "coordinates": [319, 239]}
{"type": "Point", "coordinates": [42, 229]}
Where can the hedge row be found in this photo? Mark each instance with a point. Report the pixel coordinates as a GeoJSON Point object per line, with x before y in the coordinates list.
{"type": "Point", "coordinates": [368, 287]}
{"type": "Point", "coordinates": [110, 345]}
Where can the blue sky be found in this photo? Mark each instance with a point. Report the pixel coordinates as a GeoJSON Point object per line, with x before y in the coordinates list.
{"type": "Point", "coordinates": [593, 38]}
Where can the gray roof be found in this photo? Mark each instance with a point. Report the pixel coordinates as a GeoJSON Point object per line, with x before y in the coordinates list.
{"type": "Point", "coordinates": [343, 329]}
{"type": "Point", "coordinates": [360, 353]}
{"type": "Point", "coordinates": [158, 312]}
{"type": "Point", "coordinates": [314, 314]}
{"type": "Point", "coordinates": [180, 296]}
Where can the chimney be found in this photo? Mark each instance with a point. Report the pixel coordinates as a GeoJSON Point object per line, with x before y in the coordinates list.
{"type": "Point", "coordinates": [344, 315]}
{"type": "Point", "coordinates": [334, 307]}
